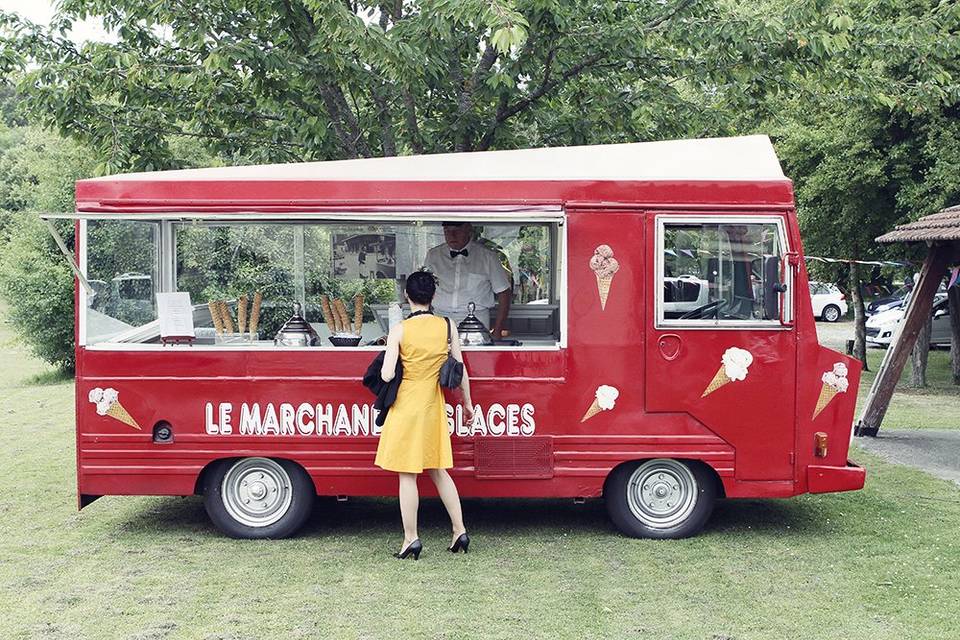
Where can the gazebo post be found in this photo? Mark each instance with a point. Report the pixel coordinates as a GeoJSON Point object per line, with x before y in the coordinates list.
{"type": "Point", "coordinates": [917, 313]}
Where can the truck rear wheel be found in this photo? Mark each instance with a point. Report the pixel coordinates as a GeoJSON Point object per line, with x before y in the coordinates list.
{"type": "Point", "coordinates": [258, 497]}
{"type": "Point", "coordinates": [660, 498]}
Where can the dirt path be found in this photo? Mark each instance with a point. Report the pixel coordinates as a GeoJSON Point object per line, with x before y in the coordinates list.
{"type": "Point", "coordinates": [936, 451]}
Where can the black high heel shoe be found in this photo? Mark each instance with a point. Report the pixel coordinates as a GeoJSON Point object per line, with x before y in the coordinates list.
{"type": "Point", "coordinates": [414, 549]}
{"type": "Point", "coordinates": [463, 542]}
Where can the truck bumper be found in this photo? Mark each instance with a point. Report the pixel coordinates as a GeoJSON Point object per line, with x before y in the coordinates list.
{"type": "Point", "coordinates": [831, 479]}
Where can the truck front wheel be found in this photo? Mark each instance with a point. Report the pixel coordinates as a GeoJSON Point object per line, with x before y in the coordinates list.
{"type": "Point", "coordinates": [660, 498]}
{"type": "Point", "coordinates": [258, 497]}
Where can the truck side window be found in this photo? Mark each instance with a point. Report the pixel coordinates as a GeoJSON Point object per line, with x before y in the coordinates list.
{"type": "Point", "coordinates": [715, 271]}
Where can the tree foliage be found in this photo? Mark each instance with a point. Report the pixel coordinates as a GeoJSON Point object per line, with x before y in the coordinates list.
{"type": "Point", "coordinates": [281, 80]}
{"type": "Point", "coordinates": [862, 97]}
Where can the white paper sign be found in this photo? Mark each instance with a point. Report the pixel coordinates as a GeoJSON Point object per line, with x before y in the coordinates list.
{"type": "Point", "coordinates": [176, 314]}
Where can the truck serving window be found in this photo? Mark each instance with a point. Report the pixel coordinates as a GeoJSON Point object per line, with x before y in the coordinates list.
{"type": "Point", "coordinates": [719, 272]}
{"type": "Point", "coordinates": [252, 273]}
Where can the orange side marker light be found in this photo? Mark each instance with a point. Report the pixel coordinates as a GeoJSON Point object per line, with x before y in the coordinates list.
{"type": "Point", "coordinates": [820, 444]}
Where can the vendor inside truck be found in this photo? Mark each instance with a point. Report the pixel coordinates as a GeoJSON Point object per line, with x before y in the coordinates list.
{"type": "Point", "coordinates": [468, 271]}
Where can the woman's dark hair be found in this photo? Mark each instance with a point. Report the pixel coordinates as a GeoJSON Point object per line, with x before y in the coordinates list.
{"type": "Point", "coordinates": [421, 285]}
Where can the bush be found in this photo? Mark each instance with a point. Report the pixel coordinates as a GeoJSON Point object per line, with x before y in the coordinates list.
{"type": "Point", "coordinates": [37, 284]}
{"type": "Point", "coordinates": [37, 173]}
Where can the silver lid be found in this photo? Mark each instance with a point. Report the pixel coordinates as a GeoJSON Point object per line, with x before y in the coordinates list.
{"type": "Point", "coordinates": [296, 332]}
{"type": "Point", "coordinates": [472, 332]}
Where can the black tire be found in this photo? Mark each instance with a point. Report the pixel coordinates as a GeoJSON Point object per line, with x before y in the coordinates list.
{"type": "Point", "coordinates": [659, 518]}
{"type": "Point", "coordinates": [830, 313]}
{"type": "Point", "coordinates": [231, 497]}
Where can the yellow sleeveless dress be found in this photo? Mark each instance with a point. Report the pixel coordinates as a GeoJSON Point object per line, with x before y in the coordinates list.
{"type": "Point", "coordinates": [415, 435]}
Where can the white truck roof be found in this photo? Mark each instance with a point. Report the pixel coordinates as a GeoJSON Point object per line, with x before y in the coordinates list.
{"type": "Point", "coordinates": [738, 158]}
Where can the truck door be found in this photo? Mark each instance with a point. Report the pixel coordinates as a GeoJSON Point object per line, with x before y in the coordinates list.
{"type": "Point", "coordinates": [721, 345]}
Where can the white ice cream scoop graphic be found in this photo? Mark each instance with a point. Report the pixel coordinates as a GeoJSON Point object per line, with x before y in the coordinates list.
{"type": "Point", "coordinates": [606, 398]}
{"type": "Point", "coordinates": [733, 366]}
{"type": "Point", "coordinates": [108, 404]}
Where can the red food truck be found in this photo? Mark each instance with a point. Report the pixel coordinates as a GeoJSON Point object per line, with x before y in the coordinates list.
{"type": "Point", "coordinates": [662, 350]}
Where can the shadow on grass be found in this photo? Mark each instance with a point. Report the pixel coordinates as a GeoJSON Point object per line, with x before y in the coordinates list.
{"type": "Point", "coordinates": [773, 517]}
{"type": "Point", "coordinates": [51, 377]}
{"type": "Point", "coordinates": [185, 518]}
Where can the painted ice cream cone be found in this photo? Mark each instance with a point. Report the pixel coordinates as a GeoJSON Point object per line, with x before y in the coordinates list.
{"type": "Point", "coordinates": [108, 404]}
{"type": "Point", "coordinates": [606, 399]}
{"type": "Point", "coordinates": [733, 366]}
{"type": "Point", "coordinates": [826, 395]}
{"type": "Point", "coordinates": [605, 266]}
{"type": "Point", "coordinates": [720, 378]}
{"type": "Point", "coordinates": [592, 411]}
{"type": "Point", "coordinates": [834, 382]}
{"type": "Point", "coordinates": [603, 286]}
{"type": "Point", "coordinates": [118, 412]}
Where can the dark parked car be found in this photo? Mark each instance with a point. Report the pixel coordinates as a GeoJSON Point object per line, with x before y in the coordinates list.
{"type": "Point", "coordinates": [893, 301]}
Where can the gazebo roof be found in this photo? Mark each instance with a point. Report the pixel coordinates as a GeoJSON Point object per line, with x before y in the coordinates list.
{"type": "Point", "coordinates": [943, 225]}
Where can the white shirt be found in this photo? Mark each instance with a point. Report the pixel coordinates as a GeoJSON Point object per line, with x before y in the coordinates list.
{"type": "Point", "coordinates": [476, 277]}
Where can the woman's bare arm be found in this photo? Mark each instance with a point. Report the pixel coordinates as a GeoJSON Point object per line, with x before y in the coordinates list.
{"type": "Point", "coordinates": [389, 369]}
{"type": "Point", "coordinates": [465, 383]}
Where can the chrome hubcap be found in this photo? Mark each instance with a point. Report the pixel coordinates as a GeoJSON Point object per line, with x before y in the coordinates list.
{"type": "Point", "coordinates": [256, 492]}
{"type": "Point", "coordinates": [662, 493]}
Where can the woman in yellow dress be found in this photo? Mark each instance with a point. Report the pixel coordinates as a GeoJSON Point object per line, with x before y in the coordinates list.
{"type": "Point", "coordinates": [415, 435]}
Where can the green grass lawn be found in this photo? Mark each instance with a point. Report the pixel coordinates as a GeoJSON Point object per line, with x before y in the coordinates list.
{"type": "Point", "coordinates": [936, 406]}
{"type": "Point", "coordinates": [874, 564]}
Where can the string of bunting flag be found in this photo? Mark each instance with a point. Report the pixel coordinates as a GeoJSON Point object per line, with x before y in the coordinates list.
{"type": "Point", "coordinates": [880, 263]}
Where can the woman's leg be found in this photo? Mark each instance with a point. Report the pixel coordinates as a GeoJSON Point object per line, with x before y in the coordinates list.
{"type": "Point", "coordinates": [409, 502]}
{"type": "Point", "coordinates": [451, 500]}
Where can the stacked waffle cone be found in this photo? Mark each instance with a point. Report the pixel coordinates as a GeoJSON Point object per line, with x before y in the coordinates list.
{"type": "Point", "coordinates": [337, 317]}
{"type": "Point", "coordinates": [223, 321]}
{"type": "Point", "coordinates": [255, 313]}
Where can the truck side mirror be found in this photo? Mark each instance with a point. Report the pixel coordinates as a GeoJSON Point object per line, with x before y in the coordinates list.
{"type": "Point", "coordinates": [771, 287]}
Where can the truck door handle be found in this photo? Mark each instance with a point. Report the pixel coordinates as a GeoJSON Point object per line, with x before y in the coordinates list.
{"type": "Point", "coordinates": [669, 346]}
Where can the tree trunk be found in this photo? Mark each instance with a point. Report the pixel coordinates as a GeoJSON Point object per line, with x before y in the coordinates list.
{"type": "Point", "coordinates": [953, 300]}
{"type": "Point", "coordinates": [921, 352]}
{"type": "Point", "coordinates": [859, 317]}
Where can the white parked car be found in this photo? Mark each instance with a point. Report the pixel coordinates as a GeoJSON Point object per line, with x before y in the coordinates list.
{"type": "Point", "coordinates": [828, 302]}
{"type": "Point", "coordinates": [881, 326]}
{"type": "Point", "coordinates": [684, 293]}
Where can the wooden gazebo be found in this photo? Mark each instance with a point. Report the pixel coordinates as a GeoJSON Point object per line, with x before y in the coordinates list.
{"type": "Point", "coordinates": [941, 233]}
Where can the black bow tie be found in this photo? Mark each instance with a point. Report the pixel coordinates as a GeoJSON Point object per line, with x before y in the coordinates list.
{"type": "Point", "coordinates": [462, 252]}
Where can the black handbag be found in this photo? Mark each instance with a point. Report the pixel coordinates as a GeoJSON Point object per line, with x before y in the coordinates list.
{"type": "Point", "coordinates": [451, 373]}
